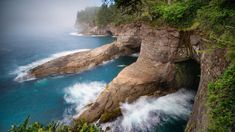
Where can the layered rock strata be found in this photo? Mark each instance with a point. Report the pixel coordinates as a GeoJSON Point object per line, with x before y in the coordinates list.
{"type": "Point", "coordinates": [128, 42]}
{"type": "Point", "coordinates": [165, 64]}
{"type": "Point", "coordinates": [161, 68]}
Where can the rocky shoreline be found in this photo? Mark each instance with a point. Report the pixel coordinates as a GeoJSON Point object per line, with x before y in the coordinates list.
{"type": "Point", "coordinates": [126, 44]}
{"type": "Point", "coordinates": [161, 68]}
{"type": "Point", "coordinates": [169, 59]}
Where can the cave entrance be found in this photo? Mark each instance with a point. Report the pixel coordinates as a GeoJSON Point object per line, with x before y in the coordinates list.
{"type": "Point", "coordinates": [109, 33]}
{"type": "Point", "coordinates": [191, 73]}
{"type": "Point", "coordinates": [196, 73]}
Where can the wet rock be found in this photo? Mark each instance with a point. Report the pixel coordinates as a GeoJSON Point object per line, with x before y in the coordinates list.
{"type": "Point", "coordinates": [155, 72]}
{"type": "Point", "coordinates": [127, 43]}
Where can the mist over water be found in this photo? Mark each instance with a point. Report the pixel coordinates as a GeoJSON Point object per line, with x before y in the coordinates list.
{"type": "Point", "coordinates": [41, 15]}
{"type": "Point", "coordinates": [37, 31]}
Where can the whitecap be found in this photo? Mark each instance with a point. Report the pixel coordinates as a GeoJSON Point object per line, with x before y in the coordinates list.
{"type": "Point", "coordinates": [80, 95]}
{"type": "Point", "coordinates": [99, 35]}
{"type": "Point", "coordinates": [76, 34]}
{"type": "Point", "coordinates": [147, 113]}
{"type": "Point", "coordinates": [80, 34]}
{"type": "Point", "coordinates": [22, 72]}
{"type": "Point", "coordinates": [121, 65]}
{"type": "Point", "coordinates": [107, 62]}
{"type": "Point", "coordinates": [135, 55]}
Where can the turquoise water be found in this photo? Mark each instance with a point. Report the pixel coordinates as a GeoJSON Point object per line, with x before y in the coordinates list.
{"type": "Point", "coordinates": [44, 100]}
{"type": "Point", "coordinates": [62, 98]}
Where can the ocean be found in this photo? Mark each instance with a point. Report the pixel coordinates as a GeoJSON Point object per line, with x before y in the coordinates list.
{"type": "Point", "coordinates": [61, 98]}
{"type": "Point", "coordinates": [46, 100]}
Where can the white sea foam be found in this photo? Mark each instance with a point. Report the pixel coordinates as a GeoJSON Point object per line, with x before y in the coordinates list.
{"type": "Point", "coordinates": [76, 34]}
{"type": "Point", "coordinates": [149, 112]}
{"type": "Point", "coordinates": [135, 55]}
{"type": "Point", "coordinates": [22, 71]}
{"type": "Point", "coordinates": [79, 34]}
{"type": "Point", "coordinates": [99, 35]}
{"type": "Point", "coordinates": [107, 62]}
{"type": "Point", "coordinates": [121, 65]}
{"type": "Point", "coordinates": [79, 95]}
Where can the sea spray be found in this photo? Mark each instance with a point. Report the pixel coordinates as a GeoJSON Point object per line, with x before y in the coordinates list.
{"type": "Point", "coordinates": [76, 34]}
{"type": "Point", "coordinates": [135, 55]}
{"type": "Point", "coordinates": [22, 72]}
{"type": "Point", "coordinates": [121, 65]}
{"type": "Point", "coordinates": [86, 35]}
{"type": "Point", "coordinates": [79, 95]}
{"type": "Point", "coordinates": [150, 113]}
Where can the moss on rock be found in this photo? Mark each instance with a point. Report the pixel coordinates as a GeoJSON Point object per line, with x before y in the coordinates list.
{"type": "Point", "coordinates": [221, 102]}
{"type": "Point", "coordinates": [108, 116]}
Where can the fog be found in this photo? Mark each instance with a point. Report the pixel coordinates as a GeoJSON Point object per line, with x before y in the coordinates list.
{"type": "Point", "coordinates": [35, 15]}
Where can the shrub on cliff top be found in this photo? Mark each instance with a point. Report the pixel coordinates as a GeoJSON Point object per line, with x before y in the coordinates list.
{"type": "Point", "coordinates": [77, 126]}
{"type": "Point", "coordinates": [221, 102]}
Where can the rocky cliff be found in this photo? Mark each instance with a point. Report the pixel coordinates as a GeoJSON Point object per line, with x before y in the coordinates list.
{"type": "Point", "coordinates": [212, 63]}
{"type": "Point", "coordinates": [169, 59]}
{"type": "Point", "coordinates": [161, 49]}
{"type": "Point", "coordinates": [128, 42]}
{"type": "Point", "coordinates": [165, 64]}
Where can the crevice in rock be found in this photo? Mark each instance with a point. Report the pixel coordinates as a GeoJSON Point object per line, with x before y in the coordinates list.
{"type": "Point", "coordinates": [109, 33]}
{"type": "Point", "coordinates": [192, 67]}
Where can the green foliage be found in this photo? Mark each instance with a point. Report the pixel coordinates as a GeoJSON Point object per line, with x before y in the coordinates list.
{"type": "Point", "coordinates": [107, 15]}
{"type": "Point", "coordinates": [178, 14]}
{"type": "Point", "coordinates": [108, 116]}
{"type": "Point", "coordinates": [217, 22]}
{"type": "Point", "coordinates": [102, 16]}
{"type": "Point", "coordinates": [77, 126]}
{"type": "Point", "coordinates": [171, 13]}
{"type": "Point", "coordinates": [81, 126]}
{"type": "Point", "coordinates": [127, 6]}
{"type": "Point", "coordinates": [88, 15]}
{"type": "Point", "coordinates": [215, 19]}
{"type": "Point", "coordinates": [221, 102]}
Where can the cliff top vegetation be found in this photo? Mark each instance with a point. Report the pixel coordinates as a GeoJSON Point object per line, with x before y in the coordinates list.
{"type": "Point", "coordinates": [214, 19]}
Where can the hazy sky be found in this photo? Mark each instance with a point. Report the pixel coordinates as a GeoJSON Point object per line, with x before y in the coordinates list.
{"type": "Point", "coordinates": [41, 13]}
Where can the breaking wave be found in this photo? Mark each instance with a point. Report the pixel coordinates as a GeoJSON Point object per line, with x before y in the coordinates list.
{"type": "Point", "coordinates": [79, 34]}
{"type": "Point", "coordinates": [22, 72]}
{"type": "Point", "coordinates": [76, 34]}
{"type": "Point", "coordinates": [135, 55]}
{"type": "Point", "coordinates": [80, 95]}
{"type": "Point", "coordinates": [149, 113]}
{"type": "Point", "coordinates": [121, 65]}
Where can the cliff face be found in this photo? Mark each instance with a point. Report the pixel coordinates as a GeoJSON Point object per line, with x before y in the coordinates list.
{"type": "Point", "coordinates": [161, 68]}
{"type": "Point", "coordinates": [213, 63]}
{"type": "Point", "coordinates": [160, 51]}
{"type": "Point", "coordinates": [169, 59]}
{"type": "Point", "coordinates": [121, 30]}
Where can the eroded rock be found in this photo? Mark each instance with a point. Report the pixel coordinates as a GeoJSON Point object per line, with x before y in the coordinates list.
{"type": "Point", "coordinates": [213, 63]}
{"type": "Point", "coordinates": [155, 72]}
{"type": "Point", "coordinates": [127, 43]}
